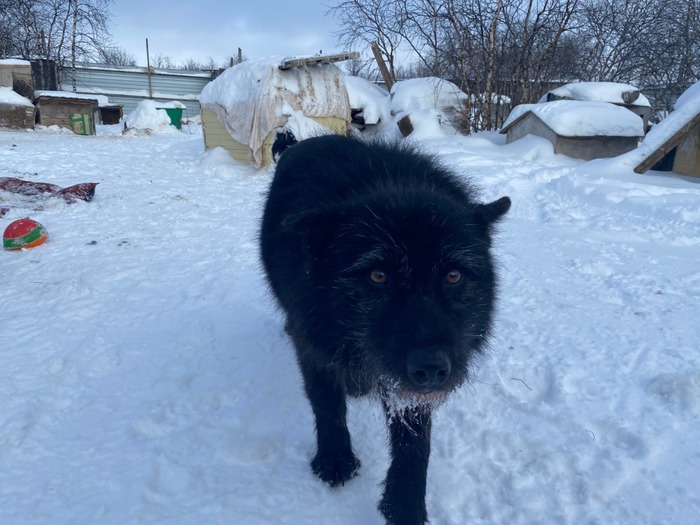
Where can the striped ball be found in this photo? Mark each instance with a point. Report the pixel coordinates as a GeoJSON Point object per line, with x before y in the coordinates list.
{"type": "Point", "coordinates": [24, 233]}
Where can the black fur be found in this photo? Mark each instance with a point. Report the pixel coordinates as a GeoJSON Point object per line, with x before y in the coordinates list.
{"type": "Point", "coordinates": [380, 258]}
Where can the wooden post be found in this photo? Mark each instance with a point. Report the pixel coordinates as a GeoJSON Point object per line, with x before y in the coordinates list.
{"type": "Point", "coordinates": [388, 79]}
{"type": "Point", "coordinates": [148, 64]}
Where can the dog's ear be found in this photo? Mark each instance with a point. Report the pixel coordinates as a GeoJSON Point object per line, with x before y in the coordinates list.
{"type": "Point", "coordinates": [489, 214]}
{"type": "Point", "coordinates": [314, 226]}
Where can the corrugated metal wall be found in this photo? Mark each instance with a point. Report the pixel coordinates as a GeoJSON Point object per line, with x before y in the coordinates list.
{"type": "Point", "coordinates": [129, 85]}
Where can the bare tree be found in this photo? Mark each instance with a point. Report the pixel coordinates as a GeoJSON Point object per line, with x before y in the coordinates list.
{"type": "Point", "coordinates": [6, 29]}
{"type": "Point", "coordinates": [653, 44]}
{"type": "Point", "coordinates": [193, 65]}
{"type": "Point", "coordinates": [54, 29]}
{"type": "Point", "coordinates": [615, 29]}
{"type": "Point", "coordinates": [357, 67]}
{"type": "Point", "coordinates": [491, 54]}
{"type": "Point", "coordinates": [162, 61]}
{"type": "Point", "coordinates": [115, 56]}
{"type": "Point", "coordinates": [368, 21]}
{"type": "Point", "coordinates": [520, 48]}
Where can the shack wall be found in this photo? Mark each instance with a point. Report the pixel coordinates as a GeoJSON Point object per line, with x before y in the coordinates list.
{"type": "Point", "coordinates": [687, 160]}
{"type": "Point", "coordinates": [215, 135]}
{"type": "Point", "coordinates": [589, 148]}
{"type": "Point", "coordinates": [530, 124]}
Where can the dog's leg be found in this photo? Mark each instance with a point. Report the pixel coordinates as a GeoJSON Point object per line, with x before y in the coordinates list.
{"type": "Point", "coordinates": [403, 502]}
{"type": "Point", "coordinates": [335, 463]}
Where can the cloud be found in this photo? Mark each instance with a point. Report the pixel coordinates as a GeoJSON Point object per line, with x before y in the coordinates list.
{"type": "Point", "coordinates": [211, 29]}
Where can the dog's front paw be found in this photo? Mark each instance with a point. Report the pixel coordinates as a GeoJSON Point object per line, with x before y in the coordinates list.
{"type": "Point", "coordinates": [406, 512]}
{"type": "Point", "coordinates": [335, 468]}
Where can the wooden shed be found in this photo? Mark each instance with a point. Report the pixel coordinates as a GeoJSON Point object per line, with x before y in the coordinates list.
{"type": "Point", "coordinates": [78, 113]}
{"type": "Point", "coordinates": [257, 108]}
{"type": "Point", "coordinates": [16, 112]}
{"type": "Point", "coordinates": [581, 130]}
{"type": "Point", "coordinates": [674, 143]}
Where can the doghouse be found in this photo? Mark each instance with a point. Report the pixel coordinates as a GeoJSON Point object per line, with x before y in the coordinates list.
{"type": "Point", "coordinates": [623, 95]}
{"type": "Point", "coordinates": [257, 107]}
{"type": "Point", "coordinates": [674, 143]}
{"type": "Point", "coordinates": [582, 130]}
{"type": "Point", "coordinates": [16, 112]}
{"type": "Point", "coordinates": [111, 114]}
{"type": "Point", "coordinates": [73, 111]}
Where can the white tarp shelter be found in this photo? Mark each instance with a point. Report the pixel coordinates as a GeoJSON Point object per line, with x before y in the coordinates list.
{"type": "Point", "coordinates": [254, 101]}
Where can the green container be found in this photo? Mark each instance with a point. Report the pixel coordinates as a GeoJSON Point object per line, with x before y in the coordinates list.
{"type": "Point", "coordinates": [175, 115]}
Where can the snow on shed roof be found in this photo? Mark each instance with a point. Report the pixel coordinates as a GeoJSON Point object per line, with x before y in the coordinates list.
{"type": "Point", "coordinates": [8, 96]}
{"type": "Point", "coordinates": [101, 99]}
{"type": "Point", "coordinates": [598, 92]}
{"type": "Point", "coordinates": [668, 133]}
{"type": "Point", "coordinates": [14, 62]}
{"type": "Point", "coordinates": [571, 118]}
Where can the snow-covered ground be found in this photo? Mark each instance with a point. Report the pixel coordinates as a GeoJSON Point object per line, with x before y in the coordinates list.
{"type": "Point", "coordinates": [146, 378]}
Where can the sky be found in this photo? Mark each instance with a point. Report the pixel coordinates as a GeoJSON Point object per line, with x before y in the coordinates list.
{"type": "Point", "coordinates": [214, 29]}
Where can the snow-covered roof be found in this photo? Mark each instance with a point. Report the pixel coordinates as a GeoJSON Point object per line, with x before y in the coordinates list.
{"type": "Point", "coordinates": [8, 96]}
{"type": "Point", "coordinates": [255, 97]}
{"type": "Point", "coordinates": [369, 97]}
{"type": "Point", "coordinates": [14, 62]}
{"type": "Point", "coordinates": [101, 99]}
{"type": "Point", "coordinates": [598, 92]}
{"type": "Point", "coordinates": [570, 118]}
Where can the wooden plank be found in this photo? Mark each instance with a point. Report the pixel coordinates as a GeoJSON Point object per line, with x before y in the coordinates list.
{"type": "Point", "coordinates": [687, 159]}
{"type": "Point", "coordinates": [289, 63]}
{"type": "Point", "coordinates": [667, 146]}
{"type": "Point", "coordinates": [388, 79]}
{"type": "Point", "coordinates": [405, 126]}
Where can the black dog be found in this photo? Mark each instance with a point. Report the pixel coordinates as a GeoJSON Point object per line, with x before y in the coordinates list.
{"type": "Point", "coordinates": [380, 258]}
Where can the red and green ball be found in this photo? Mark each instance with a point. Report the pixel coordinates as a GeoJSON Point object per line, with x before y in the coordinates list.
{"type": "Point", "coordinates": [24, 233]}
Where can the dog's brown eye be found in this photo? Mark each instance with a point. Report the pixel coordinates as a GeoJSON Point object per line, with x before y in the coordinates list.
{"type": "Point", "coordinates": [378, 277]}
{"type": "Point", "coordinates": [453, 277]}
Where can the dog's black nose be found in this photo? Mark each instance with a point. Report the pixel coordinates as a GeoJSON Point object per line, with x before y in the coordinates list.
{"type": "Point", "coordinates": [428, 370]}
